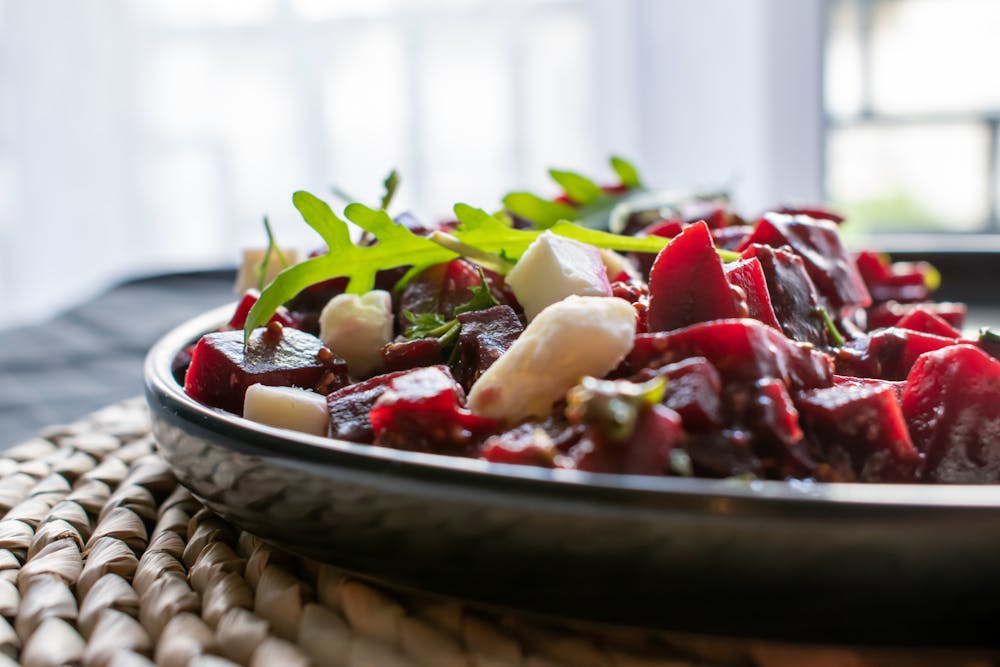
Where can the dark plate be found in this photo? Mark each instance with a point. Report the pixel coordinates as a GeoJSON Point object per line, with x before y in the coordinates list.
{"type": "Point", "coordinates": [859, 563]}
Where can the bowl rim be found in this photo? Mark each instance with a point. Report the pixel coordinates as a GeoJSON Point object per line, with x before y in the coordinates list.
{"type": "Point", "coordinates": [728, 496]}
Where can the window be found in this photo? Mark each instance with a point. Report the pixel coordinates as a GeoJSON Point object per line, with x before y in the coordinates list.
{"type": "Point", "coordinates": [912, 104]}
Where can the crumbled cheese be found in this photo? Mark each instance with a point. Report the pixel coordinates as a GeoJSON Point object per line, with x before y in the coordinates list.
{"type": "Point", "coordinates": [287, 407]}
{"type": "Point", "coordinates": [572, 338]}
{"type": "Point", "coordinates": [356, 328]}
{"type": "Point", "coordinates": [553, 268]}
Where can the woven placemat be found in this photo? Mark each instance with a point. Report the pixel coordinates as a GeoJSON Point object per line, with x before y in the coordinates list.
{"type": "Point", "coordinates": [106, 560]}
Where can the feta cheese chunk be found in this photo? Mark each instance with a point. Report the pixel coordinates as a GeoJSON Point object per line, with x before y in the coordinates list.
{"type": "Point", "coordinates": [246, 276]}
{"type": "Point", "coordinates": [356, 328]}
{"type": "Point", "coordinates": [287, 407]}
{"type": "Point", "coordinates": [554, 267]}
{"type": "Point", "coordinates": [580, 335]}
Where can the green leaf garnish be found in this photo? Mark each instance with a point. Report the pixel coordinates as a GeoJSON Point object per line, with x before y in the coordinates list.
{"type": "Point", "coordinates": [396, 246]}
{"type": "Point", "coordinates": [272, 248]}
{"type": "Point", "coordinates": [543, 212]}
{"type": "Point", "coordinates": [391, 184]}
{"type": "Point", "coordinates": [627, 173]}
{"type": "Point", "coordinates": [988, 335]}
{"type": "Point", "coordinates": [425, 325]}
{"type": "Point", "coordinates": [482, 298]}
{"type": "Point", "coordinates": [831, 328]}
{"type": "Point", "coordinates": [577, 187]}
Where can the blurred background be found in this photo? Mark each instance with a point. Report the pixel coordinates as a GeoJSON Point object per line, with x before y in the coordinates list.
{"type": "Point", "coordinates": [142, 136]}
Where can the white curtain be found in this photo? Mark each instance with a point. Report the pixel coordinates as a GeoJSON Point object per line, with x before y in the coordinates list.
{"type": "Point", "coordinates": [149, 135]}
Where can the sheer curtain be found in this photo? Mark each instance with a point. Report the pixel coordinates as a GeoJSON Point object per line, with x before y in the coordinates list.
{"type": "Point", "coordinates": [149, 135]}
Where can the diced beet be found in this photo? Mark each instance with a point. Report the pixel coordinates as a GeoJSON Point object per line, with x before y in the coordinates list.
{"type": "Point", "coordinates": [815, 211]}
{"type": "Point", "coordinates": [687, 283]}
{"type": "Point", "coordinates": [484, 336]}
{"type": "Point", "coordinates": [443, 287]}
{"type": "Point", "coordinates": [281, 316]}
{"type": "Point", "coordinates": [952, 406]}
{"type": "Point", "coordinates": [528, 444]}
{"type": "Point", "coordinates": [657, 431]}
{"type": "Point", "coordinates": [665, 228]}
{"type": "Point", "coordinates": [221, 370]}
{"type": "Point", "coordinates": [749, 277]}
{"type": "Point", "coordinates": [422, 409]}
{"type": "Point", "coordinates": [774, 413]}
{"type": "Point", "coordinates": [731, 238]}
{"type": "Point", "coordinates": [867, 423]}
{"type": "Point", "coordinates": [793, 295]}
{"type": "Point", "coordinates": [924, 321]}
{"type": "Point", "coordinates": [725, 453]}
{"type": "Point", "coordinates": [693, 390]}
{"type": "Point", "coordinates": [404, 354]}
{"type": "Point", "coordinates": [904, 282]}
{"type": "Point", "coordinates": [873, 267]}
{"type": "Point", "coordinates": [742, 350]}
{"type": "Point", "coordinates": [888, 354]}
{"type": "Point", "coordinates": [897, 386]}
{"type": "Point", "coordinates": [827, 262]}
{"type": "Point", "coordinates": [887, 314]}
{"type": "Point", "coordinates": [349, 408]}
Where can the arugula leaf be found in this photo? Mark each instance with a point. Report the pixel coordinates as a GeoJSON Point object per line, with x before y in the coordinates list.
{"type": "Point", "coordinates": [397, 246]}
{"type": "Point", "coordinates": [491, 233]}
{"type": "Point", "coordinates": [579, 188]}
{"type": "Point", "coordinates": [481, 299]}
{"type": "Point", "coordinates": [272, 249]}
{"type": "Point", "coordinates": [626, 171]}
{"type": "Point", "coordinates": [543, 212]}
{"type": "Point", "coordinates": [424, 325]}
{"type": "Point", "coordinates": [391, 184]}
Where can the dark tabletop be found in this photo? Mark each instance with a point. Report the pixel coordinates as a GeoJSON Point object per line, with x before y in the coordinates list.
{"type": "Point", "coordinates": [92, 355]}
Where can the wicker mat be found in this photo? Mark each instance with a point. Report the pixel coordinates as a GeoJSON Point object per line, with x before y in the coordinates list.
{"type": "Point", "coordinates": [105, 560]}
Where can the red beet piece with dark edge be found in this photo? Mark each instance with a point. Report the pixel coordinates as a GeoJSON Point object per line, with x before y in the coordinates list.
{"type": "Point", "coordinates": [647, 452]}
{"type": "Point", "coordinates": [793, 294]}
{"type": "Point", "coordinates": [404, 354]}
{"type": "Point", "coordinates": [422, 410]}
{"type": "Point", "coordinates": [888, 354]}
{"type": "Point", "coordinates": [693, 391]}
{"type": "Point", "coordinates": [867, 423]}
{"type": "Point", "coordinates": [723, 453]}
{"type": "Point", "coordinates": [484, 336]}
{"type": "Point", "coordinates": [527, 444]}
{"type": "Point", "coordinates": [281, 315]}
{"type": "Point", "coordinates": [742, 350]}
{"type": "Point", "coordinates": [952, 407]}
{"type": "Point", "coordinates": [687, 283]}
{"type": "Point", "coordinates": [443, 287]}
{"type": "Point", "coordinates": [924, 321]}
{"type": "Point", "coordinates": [220, 372]}
{"type": "Point", "coordinates": [350, 405]}
{"type": "Point", "coordinates": [749, 277]}
{"type": "Point", "coordinates": [774, 421]}
{"type": "Point", "coordinates": [827, 262]}
{"type": "Point", "coordinates": [731, 238]}
{"type": "Point", "coordinates": [896, 386]}
{"type": "Point", "coordinates": [888, 314]}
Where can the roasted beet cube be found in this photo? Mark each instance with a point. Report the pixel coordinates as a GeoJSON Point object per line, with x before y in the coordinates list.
{"type": "Point", "coordinates": [749, 277]}
{"type": "Point", "coordinates": [404, 354]}
{"type": "Point", "coordinates": [528, 444]}
{"type": "Point", "coordinates": [952, 407]}
{"type": "Point", "coordinates": [484, 336]}
{"type": "Point", "coordinates": [888, 314]}
{"type": "Point", "coordinates": [725, 453]}
{"type": "Point", "coordinates": [888, 354]}
{"type": "Point", "coordinates": [866, 422]}
{"type": "Point", "coordinates": [221, 369]}
{"type": "Point", "coordinates": [687, 283]}
{"type": "Point", "coordinates": [422, 409]}
{"type": "Point", "coordinates": [657, 431]}
{"type": "Point", "coordinates": [443, 287]}
{"type": "Point", "coordinates": [350, 405]}
{"type": "Point", "coordinates": [896, 386]}
{"type": "Point", "coordinates": [827, 262]}
{"type": "Point", "coordinates": [693, 390]}
{"type": "Point", "coordinates": [924, 321]}
{"type": "Point", "coordinates": [793, 295]}
{"type": "Point", "coordinates": [742, 350]}
{"type": "Point", "coordinates": [731, 238]}
{"type": "Point", "coordinates": [281, 316]}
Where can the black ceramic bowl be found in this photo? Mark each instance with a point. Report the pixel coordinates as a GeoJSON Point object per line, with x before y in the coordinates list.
{"type": "Point", "coordinates": [860, 563]}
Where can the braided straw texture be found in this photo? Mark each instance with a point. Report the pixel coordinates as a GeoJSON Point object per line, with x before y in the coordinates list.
{"type": "Point", "coordinates": [106, 560]}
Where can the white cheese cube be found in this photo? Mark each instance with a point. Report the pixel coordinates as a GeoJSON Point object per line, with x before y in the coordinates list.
{"type": "Point", "coordinates": [246, 276]}
{"type": "Point", "coordinates": [553, 268]}
{"type": "Point", "coordinates": [356, 328]}
{"type": "Point", "coordinates": [571, 338]}
{"type": "Point", "coordinates": [287, 407]}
